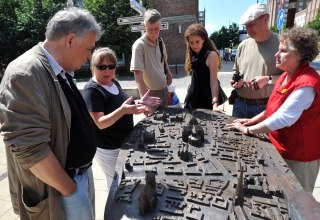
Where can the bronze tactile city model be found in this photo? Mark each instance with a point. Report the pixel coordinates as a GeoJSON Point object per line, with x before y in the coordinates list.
{"type": "Point", "coordinates": [201, 171]}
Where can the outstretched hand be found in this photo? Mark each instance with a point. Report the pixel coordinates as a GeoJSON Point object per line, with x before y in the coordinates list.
{"type": "Point", "coordinates": [132, 109]}
{"type": "Point", "coordinates": [148, 100]}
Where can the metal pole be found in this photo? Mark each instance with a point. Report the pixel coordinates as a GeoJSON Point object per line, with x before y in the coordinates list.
{"type": "Point", "coordinates": [176, 68]}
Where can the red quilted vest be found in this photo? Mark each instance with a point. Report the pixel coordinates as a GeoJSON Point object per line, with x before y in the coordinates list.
{"type": "Point", "coordinates": [301, 140]}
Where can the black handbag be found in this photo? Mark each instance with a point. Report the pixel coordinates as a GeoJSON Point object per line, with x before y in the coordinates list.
{"type": "Point", "coordinates": [233, 96]}
{"type": "Point", "coordinates": [222, 95]}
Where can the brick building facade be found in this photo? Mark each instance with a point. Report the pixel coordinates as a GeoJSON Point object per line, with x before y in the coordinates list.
{"type": "Point", "coordinates": [179, 14]}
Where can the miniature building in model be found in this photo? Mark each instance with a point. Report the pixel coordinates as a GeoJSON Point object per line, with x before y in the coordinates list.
{"type": "Point", "coordinates": [148, 136]}
{"type": "Point", "coordinates": [183, 152]}
{"type": "Point", "coordinates": [196, 137]}
{"type": "Point", "coordinates": [148, 197]}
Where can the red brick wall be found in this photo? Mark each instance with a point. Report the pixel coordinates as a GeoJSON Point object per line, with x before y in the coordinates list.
{"type": "Point", "coordinates": [174, 40]}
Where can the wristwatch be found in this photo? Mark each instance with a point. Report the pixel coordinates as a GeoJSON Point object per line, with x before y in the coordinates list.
{"type": "Point", "coordinates": [270, 80]}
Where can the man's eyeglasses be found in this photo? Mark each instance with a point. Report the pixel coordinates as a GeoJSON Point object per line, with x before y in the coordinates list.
{"type": "Point", "coordinates": [103, 66]}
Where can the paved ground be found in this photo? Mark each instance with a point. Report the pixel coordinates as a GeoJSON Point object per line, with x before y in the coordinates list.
{"type": "Point", "coordinates": [181, 82]}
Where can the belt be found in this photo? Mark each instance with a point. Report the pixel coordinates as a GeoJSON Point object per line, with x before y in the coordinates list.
{"type": "Point", "coordinates": [254, 101]}
{"type": "Point", "coordinates": [72, 172]}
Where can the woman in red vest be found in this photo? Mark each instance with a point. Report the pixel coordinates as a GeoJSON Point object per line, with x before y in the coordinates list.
{"type": "Point", "coordinates": [292, 116]}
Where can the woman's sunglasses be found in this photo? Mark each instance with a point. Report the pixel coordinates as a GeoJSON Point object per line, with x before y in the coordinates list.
{"type": "Point", "coordinates": [103, 66]}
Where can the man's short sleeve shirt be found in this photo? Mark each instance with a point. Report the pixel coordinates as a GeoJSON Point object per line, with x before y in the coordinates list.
{"type": "Point", "coordinates": [146, 57]}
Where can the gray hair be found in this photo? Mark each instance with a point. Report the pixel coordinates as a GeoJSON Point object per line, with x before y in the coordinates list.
{"type": "Point", "coordinates": [302, 40]}
{"type": "Point", "coordinates": [152, 16]}
{"type": "Point", "coordinates": [72, 20]}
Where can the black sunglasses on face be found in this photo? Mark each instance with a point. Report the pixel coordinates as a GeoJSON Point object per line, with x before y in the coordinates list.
{"type": "Point", "coordinates": [103, 66]}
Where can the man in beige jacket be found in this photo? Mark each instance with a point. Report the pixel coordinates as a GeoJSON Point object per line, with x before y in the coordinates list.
{"type": "Point", "coordinates": [47, 131]}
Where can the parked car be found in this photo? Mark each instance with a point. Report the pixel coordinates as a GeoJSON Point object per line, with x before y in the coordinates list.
{"type": "Point", "coordinates": [233, 54]}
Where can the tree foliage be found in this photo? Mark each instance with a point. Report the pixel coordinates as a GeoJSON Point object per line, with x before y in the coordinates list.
{"type": "Point", "coordinates": [117, 37]}
{"type": "Point", "coordinates": [23, 25]}
{"type": "Point", "coordinates": [315, 24]}
{"type": "Point", "coordinates": [226, 37]}
{"type": "Point", "coordinates": [274, 29]}
{"type": "Point", "coordinates": [8, 34]}
{"type": "Point", "coordinates": [33, 17]}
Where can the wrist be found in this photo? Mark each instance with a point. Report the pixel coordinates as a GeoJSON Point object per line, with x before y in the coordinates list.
{"type": "Point", "coordinates": [247, 131]}
{"type": "Point", "coordinates": [214, 103]}
{"type": "Point", "coordinates": [270, 80]}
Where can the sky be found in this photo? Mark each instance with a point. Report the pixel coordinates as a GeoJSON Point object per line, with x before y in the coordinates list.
{"type": "Point", "coordinates": [224, 12]}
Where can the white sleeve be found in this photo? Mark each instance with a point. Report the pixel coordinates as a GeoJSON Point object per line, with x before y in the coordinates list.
{"type": "Point", "coordinates": [292, 108]}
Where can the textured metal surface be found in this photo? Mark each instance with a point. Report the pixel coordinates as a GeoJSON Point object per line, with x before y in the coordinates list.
{"type": "Point", "coordinates": [203, 171]}
{"type": "Point", "coordinates": [180, 19]}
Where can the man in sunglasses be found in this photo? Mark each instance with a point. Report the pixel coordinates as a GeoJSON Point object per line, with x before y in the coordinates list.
{"type": "Point", "coordinates": [255, 64]}
{"type": "Point", "coordinates": [149, 59]}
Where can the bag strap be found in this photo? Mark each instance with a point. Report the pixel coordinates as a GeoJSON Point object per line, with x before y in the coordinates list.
{"type": "Point", "coordinates": [161, 51]}
{"type": "Point", "coordinates": [161, 47]}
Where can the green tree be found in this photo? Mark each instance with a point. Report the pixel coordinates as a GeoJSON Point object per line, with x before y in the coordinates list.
{"type": "Point", "coordinates": [274, 29]}
{"type": "Point", "coordinates": [315, 24]}
{"type": "Point", "coordinates": [226, 37]}
{"type": "Point", "coordinates": [118, 37]}
{"type": "Point", "coordinates": [218, 38]}
{"type": "Point", "coordinates": [33, 17]}
{"type": "Point", "coordinates": [233, 32]}
{"type": "Point", "coordinates": [8, 33]}
{"type": "Point", "coordinates": [23, 25]}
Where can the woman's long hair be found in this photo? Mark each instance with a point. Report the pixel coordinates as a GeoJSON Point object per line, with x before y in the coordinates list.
{"type": "Point", "coordinates": [198, 30]}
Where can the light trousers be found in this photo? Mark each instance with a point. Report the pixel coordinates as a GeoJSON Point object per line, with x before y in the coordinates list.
{"type": "Point", "coordinates": [107, 159]}
{"type": "Point", "coordinates": [80, 205]}
{"type": "Point", "coordinates": [306, 172]}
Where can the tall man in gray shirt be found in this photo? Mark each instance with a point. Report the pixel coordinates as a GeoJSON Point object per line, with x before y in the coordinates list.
{"type": "Point", "coordinates": [256, 62]}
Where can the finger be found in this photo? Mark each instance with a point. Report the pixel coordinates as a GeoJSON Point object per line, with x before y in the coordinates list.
{"type": "Point", "coordinates": [230, 125]}
{"type": "Point", "coordinates": [138, 105]}
{"type": "Point", "coordinates": [255, 85]}
{"type": "Point", "coordinates": [139, 110]}
{"type": "Point", "coordinates": [145, 95]}
{"type": "Point", "coordinates": [246, 84]}
{"type": "Point", "coordinates": [252, 80]}
{"type": "Point", "coordinates": [246, 123]}
{"type": "Point", "coordinates": [129, 100]}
